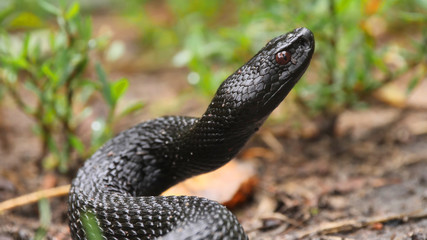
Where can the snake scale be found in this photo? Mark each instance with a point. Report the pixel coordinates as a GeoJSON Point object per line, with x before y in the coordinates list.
{"type": "Point", "coordinates": [114, 195]}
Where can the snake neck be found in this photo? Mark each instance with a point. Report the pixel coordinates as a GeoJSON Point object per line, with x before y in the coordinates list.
{"type": "Point", "coordinates": [215, 139]}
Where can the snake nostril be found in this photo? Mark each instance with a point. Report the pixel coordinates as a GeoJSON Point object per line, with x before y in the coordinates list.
{"type": "Point", "coordinates": [307, 38]}
{"type": "Point", "coordinates": [303, 42]}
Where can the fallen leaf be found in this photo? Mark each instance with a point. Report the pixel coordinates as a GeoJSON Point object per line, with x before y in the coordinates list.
{"type": "Point", "coordinates": [230, 185]}
{"type": "Point", "coordinates": [393, 95]}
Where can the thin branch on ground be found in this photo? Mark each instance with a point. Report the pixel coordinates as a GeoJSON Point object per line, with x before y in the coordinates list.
{"type": "Point", "coordinates": [34, 197]}
{"type": "Point", "coordinates": [352, 225]}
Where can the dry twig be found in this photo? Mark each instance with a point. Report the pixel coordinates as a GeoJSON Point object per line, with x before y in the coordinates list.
{"type": "Point", "coordinates": [34, 197]}
{"type": "Point", "coordinates": [351, 225]}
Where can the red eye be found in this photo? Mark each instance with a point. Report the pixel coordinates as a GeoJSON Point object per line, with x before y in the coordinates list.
{"type": "Point", "coordinates": [283, 57]}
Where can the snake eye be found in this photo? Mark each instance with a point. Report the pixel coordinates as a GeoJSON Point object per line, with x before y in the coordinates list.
{"type": "Point", "coordinates": [283, 57]}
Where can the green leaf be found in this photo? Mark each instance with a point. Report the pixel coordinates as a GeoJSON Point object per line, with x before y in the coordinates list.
{"type": "Point", "coordinates": [17, 63]}
{"type": "Point", "coordinates": [76, 143]}
{"type": "Point", "coordinates": [6, 12]}
{"type": "Point", "coordinates": [72, 11]}
{"type": "Point", "coordinates": [106, 92]}
{"type": "Point", "coordinates": [118, 88]}
{"type": "Point", "coordinates": [26, 20]}
{"type": "Point", "coordinates": [84, 26]}
{"type": "Point", "coordinates": [50, 115]}
{"type": "Point", "coordinates": [131, 109]}
{"type": "Point", "coordinates": [25, 45]}
{"type": "Point", "coordinates": [48, 72]}
{"type": "Point", "coordinates": [91, 226]}
{"type": "Point", "coordinates": [50, 7]}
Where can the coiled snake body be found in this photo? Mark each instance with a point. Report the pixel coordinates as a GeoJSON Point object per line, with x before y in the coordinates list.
{"type": "Point", "coordinates": [114, 193]}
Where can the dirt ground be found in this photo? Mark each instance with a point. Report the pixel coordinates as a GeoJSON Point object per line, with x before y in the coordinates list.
{"type": "Point", "coordinates": [368, 181]}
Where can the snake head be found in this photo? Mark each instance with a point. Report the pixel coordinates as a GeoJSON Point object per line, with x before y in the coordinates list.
{"type": "Point", "coordinates": [291, 55]}
{"type": "Point", "coordinates": [252, 92]}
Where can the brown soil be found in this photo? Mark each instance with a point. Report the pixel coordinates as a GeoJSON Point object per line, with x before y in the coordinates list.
{"type": "Point", "coordinates": [374, 167]}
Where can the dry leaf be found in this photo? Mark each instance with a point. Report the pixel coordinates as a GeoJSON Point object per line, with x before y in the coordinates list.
{"type": "Point", "coordinates": [230, 185]}
{"type": "Point", "coordinates": [392, 95]}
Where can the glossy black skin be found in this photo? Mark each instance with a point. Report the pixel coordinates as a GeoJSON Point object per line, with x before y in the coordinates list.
{"type": "Point", "coordinates": [118, 184]}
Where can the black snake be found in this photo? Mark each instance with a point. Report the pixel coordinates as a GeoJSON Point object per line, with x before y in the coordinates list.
{"type": "Point", "coordinates": [114, 194]}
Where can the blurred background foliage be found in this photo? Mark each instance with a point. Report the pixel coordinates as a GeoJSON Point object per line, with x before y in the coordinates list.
{"type": "Point", "coordinates": [354, 39]}
{"type": "Point", "coordinates": [47, 58]}
{"type": "Point", "coordinates": [360, 47]}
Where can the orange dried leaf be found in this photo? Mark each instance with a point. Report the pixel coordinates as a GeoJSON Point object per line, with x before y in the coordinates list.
{"type": "Point", "coordinates": [231, 184]}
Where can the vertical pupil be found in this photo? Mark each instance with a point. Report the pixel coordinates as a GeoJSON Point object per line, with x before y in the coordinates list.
{"type": "Point", "coordinates": [283, 57]}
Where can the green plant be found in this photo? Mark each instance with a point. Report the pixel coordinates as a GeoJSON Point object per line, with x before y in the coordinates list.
{"type": "Point", "coordinates": [353, 40]}
{"type": "Point", "coordinates": [45, 219]}
{"type": "Point", "coordinates": [91, 226]}
{"type": "Point", "coordinates": [350, 55]}
{"type": "Point", "coordinates": [45, 75]}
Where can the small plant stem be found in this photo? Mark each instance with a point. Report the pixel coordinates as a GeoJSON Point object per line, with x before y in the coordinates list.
{"type": "Point", "coordinates": [332, 63]}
